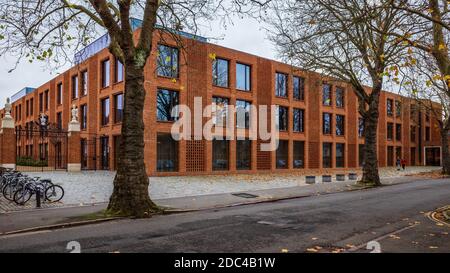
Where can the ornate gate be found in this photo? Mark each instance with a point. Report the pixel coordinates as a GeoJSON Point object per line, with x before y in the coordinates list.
{"type": "Point", "coordinates": [41, 146]}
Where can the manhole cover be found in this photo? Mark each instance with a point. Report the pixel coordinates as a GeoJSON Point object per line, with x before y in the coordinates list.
{"type": "Point", "coordinates": [245, 195]}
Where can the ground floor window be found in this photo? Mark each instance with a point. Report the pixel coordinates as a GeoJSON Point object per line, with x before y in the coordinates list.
{"type": "Point", "coordinates": [167, 153]}
{"type": "Point", "coordinates": [398, 153]}
{"type": "Point", "coordinates": [299, 154]}
{"type": "Point", "coordinates": [104, 144]}
{"type": "Point", "coordinates": [221, 153]}
{"type": "Point", "coordinates": [282, 154]}
{"type": "Point", "coordinates": [361, 154]}
{"type": "Point", "coordinates": [326, 155]}
{"type": "Point", "coordinates": [243, 154]}
{"type": "Point", "coordinates": [390, 156]}
{"type": "Point", "coordinates": [340, 155]}
{"type": "Point", "coordinates": [413, 156]}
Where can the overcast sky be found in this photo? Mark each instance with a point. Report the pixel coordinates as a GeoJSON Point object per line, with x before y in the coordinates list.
{"type": "Point", "coordinates": [245, 35]}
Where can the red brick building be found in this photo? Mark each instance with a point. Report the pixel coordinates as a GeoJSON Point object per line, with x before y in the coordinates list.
{"type": "Point", "coordinates": [319, 121]}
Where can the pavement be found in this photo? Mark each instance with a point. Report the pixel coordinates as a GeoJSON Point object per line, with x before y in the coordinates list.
{"type": "Point", "coordinates": [395, 217]}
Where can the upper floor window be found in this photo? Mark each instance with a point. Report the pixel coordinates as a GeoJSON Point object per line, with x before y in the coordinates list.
{"type": "Point", "coordinates": [299, 119]}
{"type": "Point", "coordinates": [74, 87]}
{"type": "Point", "coordinates": [282, 119]}
{"type": "Point", "coordinates": [340, 97]}
{"type": "Point", "coordinates": [390, 131]}
{"type": "Point", "coordinates": [398, 108]}
{"type": "Point", "coordinates": [243, 77]}
{"type": "Point", "coordinates": [118, 108]}
{"type": "Point", "coordinates": [389, 106]}
{"type": "Point", "coordinates": [326, 123]}
{"type": "Point", "coordinates": [220, 72]}
{"type": "Point", "coordinates": [413, 133]}
{"type": "Point", "coordinates": [59, 120]}
{"type": "Point", "coordinates": [105, 73]}
{"type": "Point", "coordinates": [299, 88]}
{"type": "Point", "coordinates": [326, 95]}
{"type": "Point", "coordinates": [427, 115]}
{"type": "Point", "coordinates": [360, 127]}
{"type": "Point", "coordinates": [41, 102]}
{"type": "Point", "coordinates": [105, 107]}
{"type": "Point", "coordinates": [340, 125]}
{"type": "Point", "coordinates": [83, 116]}
{"type": "Point", "coordinates": [31, 106]}
{"type": "Point", "coordinates": [118, 71]}
{"type": "Point", "coordinates": [427, 133]}
{"type": "Point", "coordinates": [167, 105]}
{"type": "Point", "coordinates": [46, 100]}
{"type": "Point", "coordinates": [84, 83]}
{"type": "Point", "coordinates": [280, 85]}
{"type": "Point", "coordinates": [243, 114]}
{"type": "Point", "coordinates": [220, 111]}
{"type": "Point", "coordinates": [398, 132]}
{"type": "Point", "coordinates": [59, 93]}
{"type": "Point", "coordinates": [167, 61]}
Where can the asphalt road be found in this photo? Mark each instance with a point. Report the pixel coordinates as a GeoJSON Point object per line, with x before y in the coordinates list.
{"type": "Point", "coordinates": [394, 216]}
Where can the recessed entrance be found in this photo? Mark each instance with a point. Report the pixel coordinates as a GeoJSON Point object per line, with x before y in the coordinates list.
{"type": "Point", "coordinates": [433, 156]}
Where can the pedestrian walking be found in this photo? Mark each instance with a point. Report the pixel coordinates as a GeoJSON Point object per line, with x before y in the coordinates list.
{"type": "Point", "coordinates": [399, 162]}
{"type": "Point", "coordinates": [403, 164]}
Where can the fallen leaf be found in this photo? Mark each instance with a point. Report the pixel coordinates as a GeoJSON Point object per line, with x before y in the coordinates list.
{"type": "Point", "coordinates": [284, 250]}
{"type": "Point", "coordinates": [433, 247]}
{"type": "Point", "coordinates": [314, 238]}
{"type": "Point", "coordinates": [312, 250]}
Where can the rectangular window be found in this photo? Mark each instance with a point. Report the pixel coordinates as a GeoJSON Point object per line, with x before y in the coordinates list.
{"type": "Point", "coordinates": [220, 72]}
{"type": "Point", "coordinates": [59, 120]}
{"type": "Point", "coordinates": [299, 117]}
{"type": "Point", "coordinates": [340, 97]}
{"type": "Point", "coordinates": [326, 123]}
{"type": "Point", "coordinates": [243, 77]}
{"type": "Point", "coordinates": [398, 153]}
{"type": "Point", "coordinates": [282, 154]}
{"type": "Point", "coordinates": [299, 154]}
{"type": "Point", "coordinates": [340, 155]}
{"type": "Point", "coordinates": [31, 107]}
{"type": "Point", "coordinates": [413, 156]}
{"type": "Point", "coordinates": [105, 111]}
{"type": "Point", "coordinates": [398, 108]}
{"type": "Point", "coordinates": [75, 87]}
{"type": "Point", "coordinates": [340, 125]}
{"type": "Point", "coordinates": [105, 73]}
{"type": "Point", "coordinates": [427, 115]}
{"type": "Point", "coordinates": [326, 95]}
{"type": "Point", "coordinates": [243, 114]}
{"type": "Point", "coordinates": [281, 85]}
{"type": "Point", "coordinates": [59, 93]}
{"type": "Point", "coordinates": [84, 83]}
{"type": "Point", "coordinates": [361, 155]}
{"type": "Point", "coordinates": [118, 71]}
{"type": "Point", "coordinates": [299, 88]}
{"type": "Point", "coordinates": [389, 106]}
{"type": "Point", "coordinates": [282, 119]}
{"type": "Point", "coordinates": [327, 154]}
{"type": "Point", "coordinates": [41, 102]}
{"type": "Point", "coordinates": [167, 153]}
{"type": "Point", "coordinates": [398, 132]}
{"type": "Point", "coordinates": [167, 61]}
{"type": "Point", "coordinates": [83, 116]}
{"type": "Point", "coordinates": [166, 101]}
{"type": "Point", "coordinates": [220, 111]}
{"type": "Point", "coordinates": [27, 108]}
{"type": "Point", "coordinates": [118, 108]}
{"type": "Point", "coordinates": [360, 127]}
{"type": "Point", "coordinates": [243, 154]}
{"type": "Point", "coordinates": [413, 133]}
{"type": "Point", "coordinates": [427, 134]}
{"type": "Point", "coordinates": [46, 100]}
{"type": "Point", "coordinates": [220, 155]}
{"type": "Point", "coordinates": [390, 131]}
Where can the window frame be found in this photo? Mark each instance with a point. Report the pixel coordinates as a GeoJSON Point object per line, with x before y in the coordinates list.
{"type": "Point", "coordinates": [105, 80]}
{"type": "Point", "coordinates": [300, 123]}
{"type": "Point", "coordinates": [247, 77]}
{"type": "Point", "coordinates": [342, 130]}
{"type": "Point", "coordinates": [300, 94]}
{"type": "Point", "coordinates": [169, 91]}
{"type": "Point", "coordinates": [330, 130]}
{"type": "Point", "coordinates": [174, 74]}
{"type": "Point", "coordinates": [277, 85]}
{"type": "Point", "coordinates": [330, 95]}
{"type": "Point", "coordinates": [105, 119]}
{"type": "Point", "coordinates": [215, 76]}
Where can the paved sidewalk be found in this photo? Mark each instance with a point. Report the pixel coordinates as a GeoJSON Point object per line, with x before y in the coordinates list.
{"type": "Point", "coordinates": [14, 221]}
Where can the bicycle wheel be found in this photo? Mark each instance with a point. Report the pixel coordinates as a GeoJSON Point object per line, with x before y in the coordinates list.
{"type": "Point", "coordinates": [54, 193]}
{"type": "Point", "coordinates": [22, 195]}
{"type": "Point", "coordinates": [8, 191]}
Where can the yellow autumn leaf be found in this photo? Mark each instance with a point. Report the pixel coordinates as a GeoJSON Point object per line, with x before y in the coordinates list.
{"type": "Point", "coordinates": [437, 77]}
{"type": "Point", "coordinates": [212, 56]}
{"type": "Point", "coordinates": [174, 80]}
{"type": "Point", "coordinates": [442, 47]}
{"type": "Point", "coordinates": [410, 51]}
{"type": "Point", "coordinates": [429, 83]}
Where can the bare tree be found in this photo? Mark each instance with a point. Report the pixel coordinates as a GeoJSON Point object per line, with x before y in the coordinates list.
{"type": "Point", "coordinates": [347, 41]}
{"type": "Point", "coordinates": [52, 29]}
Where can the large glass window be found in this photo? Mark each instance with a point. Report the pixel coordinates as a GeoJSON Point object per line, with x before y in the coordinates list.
{"type": "Point", "coordinates": [282, 119]}
{"type": "Point", "coordinates": [74, 87]}
{"type": "Point", "coordinates": [413, 133]}
{"type": "Point", "coordinates": [340, 155]}
{"type": "Point", "coordinates": [243, 77]}
{"type": "Point", "coordinates": [326, 154]}
{"type": "Point", "coordinates": [167, 61]}
{"type": "Point", "coordinates": [167, 153]}
{"type": "Point", "coordinates": [389, 107]}
{"type": "Point", "coordinates": [243, 114]}
{"type": "Point", "coordinates": [105, 111]}
{"type": "Point", "coordinates": [340, 97]}
{"type": "Point", "coordinates": [282, 154]}
{"type": "Point", "coordinates": [326, 95]}
{"type": "Point", "coordinates": [84, 83]}
{"type": "Point", "coordinates": [361, 154]}
{"type": "Point", "coordinates": [220, 154]}
{"type": "Point", "coordinates": [360, 127]}
{"type": "Point", "coordinates": [118, 71]}
{"type": "Point", "coordinates": [299, 119]}
{"type": "Point", "coordinates": [281, 85]}
{"type": "Point", "coordinates": [398, 132]}
{"type": "Point", "coordinates": [220, 72]}
{"type": "Point", "coordinates": [105, 73]}
{"type": "Point", "coordinates": [326, 123]}
{"type": "Point", "coordinates": [41, 103]}
{"type": "Point", "coordinates": [59, 93]}
{"type": "Point", "coordinates": [46, 100]}
{"type": "Point", "coordinates": [83, 116]}
{"type": "Point", "coordinates": [398, 108]}
{"type": "Point", "coordinates": [243, 154]}
{"type": "Point", "coordinates": [220, 111]}
{"type": "Point", "coordinates": [166, 101]}
{"type": "Point", "coordinates": [427, 133]}
{"type": "Point", "coordinates": [340, 125]}
{"type": "Point", "coordinates": [299, 154]}
{"type": "Point", "coordinates": [118, 108]}
{"type": "Point", "coordinates": [299, 88]}
{"type": "Point", "coordinates": [390, 131]}
{"type": "Point", "coordinates": [59, 120]}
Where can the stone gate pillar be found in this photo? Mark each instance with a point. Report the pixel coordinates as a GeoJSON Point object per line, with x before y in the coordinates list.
{"type": "Point", "coordinates": [74, 143]}
{"type": "Point", "coordinates": [8, 139]}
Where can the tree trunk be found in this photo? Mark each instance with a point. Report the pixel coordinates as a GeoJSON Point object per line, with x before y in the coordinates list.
{"type": "Point", "coordinates": [445, 150]}
{"type": "Point", "coordinates": [130, 196]}
{"type": "Point", "coordinates": [370, 168]}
